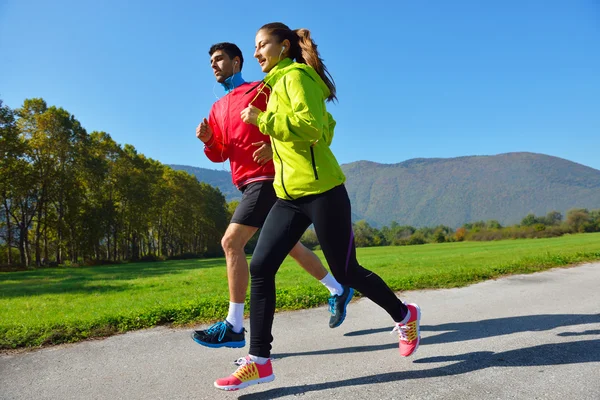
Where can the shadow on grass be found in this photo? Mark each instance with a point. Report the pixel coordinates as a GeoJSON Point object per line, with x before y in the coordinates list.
{"type": "Point", "coordinates": [86, 279]}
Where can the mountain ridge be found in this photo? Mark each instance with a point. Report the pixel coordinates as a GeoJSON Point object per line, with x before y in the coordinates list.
{"type": "Point", "coordinates": [454, 191]}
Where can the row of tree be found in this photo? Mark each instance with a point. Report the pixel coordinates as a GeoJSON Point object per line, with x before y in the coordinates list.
{"type": "Point", "coordinates": [70, 196]}
{"type": "Point", "coordinates": [532, 226]}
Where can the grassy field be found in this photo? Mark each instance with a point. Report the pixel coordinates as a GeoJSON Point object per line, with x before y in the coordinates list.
{"type": "Point", "coordinates": [50, 306]}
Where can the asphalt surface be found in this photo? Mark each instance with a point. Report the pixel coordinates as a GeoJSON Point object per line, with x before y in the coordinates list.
{"type": "Point", "coordinates": [521, 337]}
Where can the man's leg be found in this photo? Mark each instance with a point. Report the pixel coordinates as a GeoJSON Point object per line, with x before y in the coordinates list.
{"type": "Point", "coordinates": [340, 296]}
{"type": "Point", "coordinates": [235, 239]}
{"type": "Point", "coordinates": [281, 231]}
{"type": "Point", "coordinates": [230, 333]}
{"type": "Point", "coordinates": [309, 261]}
{"type": "Point", "coordinates": [313, 265]}
{"type": "Point", "coordinates": [249, 215]}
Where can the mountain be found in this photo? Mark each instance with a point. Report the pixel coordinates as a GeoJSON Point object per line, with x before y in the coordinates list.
{"type": "Point", "coordinates": [453, 191]}
{"type": "Point", "coordinates": [214, 177]}
{"type": "Point", "coordinates": [505, 187]}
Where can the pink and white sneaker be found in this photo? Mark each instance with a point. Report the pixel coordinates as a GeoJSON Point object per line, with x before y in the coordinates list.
{"type": "Point", "coordinates": [248, 373]}
{"type": "Point", "coordinates": [409, 332]}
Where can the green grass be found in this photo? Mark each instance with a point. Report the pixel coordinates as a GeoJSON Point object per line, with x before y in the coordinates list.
{"type": "Point", "coordinates": [50, 306]}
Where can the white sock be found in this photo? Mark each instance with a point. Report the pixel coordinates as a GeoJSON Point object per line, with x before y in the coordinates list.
{"type": "Point", "coordinates": [333, 285]}
{"type": "Point", "coordinates": [258, 360]}
{"type": "Point", "coordinates": [236, 316]}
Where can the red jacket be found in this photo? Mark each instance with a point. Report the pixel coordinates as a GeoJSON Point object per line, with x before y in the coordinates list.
{"type": "Point", "coordinates": [232, 138]}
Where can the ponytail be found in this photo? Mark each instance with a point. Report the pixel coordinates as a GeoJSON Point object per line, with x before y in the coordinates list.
{"type": "Point", "coordinates": [304, 50]}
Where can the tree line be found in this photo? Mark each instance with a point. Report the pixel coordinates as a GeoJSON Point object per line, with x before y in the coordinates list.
{"type": "Point", "coordinates": [531, 226]}
{"type": "Point", "coordinates": [68, 196]}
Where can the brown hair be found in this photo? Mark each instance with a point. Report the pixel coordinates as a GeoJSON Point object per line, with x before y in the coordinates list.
{"type": "Point", "coordinates": [230, 49]}
{"type": "Point", "coordinates": [304, 50]}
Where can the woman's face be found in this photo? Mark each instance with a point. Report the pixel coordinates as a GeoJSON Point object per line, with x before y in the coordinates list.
{"type": "Point", "coordinates": [268, 51]}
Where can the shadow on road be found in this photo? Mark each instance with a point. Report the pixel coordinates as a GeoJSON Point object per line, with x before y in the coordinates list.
{"type": "Point", "coordinates": [543, 355]}
{"type": "Point", "coordinates": [461, 331]}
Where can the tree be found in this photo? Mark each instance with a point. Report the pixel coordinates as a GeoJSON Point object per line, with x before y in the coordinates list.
{"type": "Point", "coordinates": [594, 221]}
{"type": "Point", "coordinates": [417, 238]}
{"type": "Point", "coordinates": [578, 218]}
{"type": "Point", "coordinates": [397, 234]}
{"type": "Point", "coordinates": [98, 208]}
{"type": "Point", "coordinates": [442, 233]}
{"type": "Point", "coordinates": [529, 220]}
{"type": "Point", "coordinates": [63, 140]}
{"type": "Point", "coordinates": [363, 234]}
{"type": "Point", "coordinates": [80, 197]}
{"type": "Point", "coordinates": [553, 218]}
{"type": "Point", "coordinates": [231, 206]}
{"type": "Point", "coordinates": [12, 151]}
{"type": "Point", "coordinates": [309, 239]}
{"type": "Point", "coordinates": [493, 224]}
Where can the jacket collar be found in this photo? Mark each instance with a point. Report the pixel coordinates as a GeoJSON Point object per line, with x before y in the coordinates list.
{"type": "Point", "coordinates": [232, 82]}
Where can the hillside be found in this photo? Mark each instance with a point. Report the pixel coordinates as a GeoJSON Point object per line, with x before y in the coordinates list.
{"type": "Point", "coordinates": [505, 187]}
{"type": "Point", "coordinates": [214, 177]}
{"type": "Point", "coordinates": [429, 192]}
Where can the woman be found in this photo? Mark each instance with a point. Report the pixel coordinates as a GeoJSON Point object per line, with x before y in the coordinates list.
{"type": "Point", "coordinates": [309, 184]}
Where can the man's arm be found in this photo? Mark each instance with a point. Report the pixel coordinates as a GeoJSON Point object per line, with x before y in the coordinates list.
{"type": "Point", "coordinates": [210, 134]}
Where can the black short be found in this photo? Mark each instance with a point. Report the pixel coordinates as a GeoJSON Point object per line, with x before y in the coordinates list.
{"type": "Point", "coordinates": [257, 200]}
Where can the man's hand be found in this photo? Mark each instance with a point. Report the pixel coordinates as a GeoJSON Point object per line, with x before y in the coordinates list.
{"type": "Point", "coordinates": [264, 153]}
{"type": "Point", "coordinates": [204, 131]}
{"type": "Point", "coordinates": [250, 115]}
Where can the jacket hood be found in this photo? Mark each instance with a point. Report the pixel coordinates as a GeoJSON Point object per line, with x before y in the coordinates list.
{"type": "Point", "coordinates": [286, 65]}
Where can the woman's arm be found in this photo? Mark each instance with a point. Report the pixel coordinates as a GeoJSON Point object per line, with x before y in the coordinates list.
{"type": "Point", "coordinates": [306, 120]}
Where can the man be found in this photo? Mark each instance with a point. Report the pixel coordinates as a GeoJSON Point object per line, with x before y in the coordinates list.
{"type": "Point", "coordinates": [226, 137]}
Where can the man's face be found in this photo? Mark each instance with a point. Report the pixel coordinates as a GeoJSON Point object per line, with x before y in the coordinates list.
{"type": "Point", "coordinates": [221, 65]}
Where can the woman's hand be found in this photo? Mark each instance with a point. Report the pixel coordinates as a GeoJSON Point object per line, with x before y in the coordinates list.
{"type": "Point", "coordinates": [250, 115]}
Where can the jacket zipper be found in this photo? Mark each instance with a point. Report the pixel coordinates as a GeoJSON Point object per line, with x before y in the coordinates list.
{"type": "Point", "coordinates": [281, 163]}
{"type": "Point", "coordinates": [254, 87]}
{"type": "Point", "coordinates": [314, 164]}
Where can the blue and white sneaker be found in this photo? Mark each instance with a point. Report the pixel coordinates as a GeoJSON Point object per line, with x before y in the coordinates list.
{"type": "Point", "coordinates": [337, 306]}
{"type": "Point", "coordinates": [220, 334]}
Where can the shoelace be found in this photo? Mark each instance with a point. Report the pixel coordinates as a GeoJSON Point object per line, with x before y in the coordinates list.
{"type": "Point", "coordinates": [404, 331]}
{"type": "Point", "coordinates": [332, 305]}
{"type": "Point", "coordinates": [243, 361]}
{"type": "Point", "coordinates": [219, 328]}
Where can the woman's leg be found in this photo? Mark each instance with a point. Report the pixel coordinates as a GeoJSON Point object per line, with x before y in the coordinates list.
{"type": "Point", "coordinates": [331, 216]}
{"type": "Point", "coordinates": [283, 227]}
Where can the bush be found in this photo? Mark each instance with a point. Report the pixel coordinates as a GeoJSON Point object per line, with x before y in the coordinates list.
{"type": "Point", "coordinates": [16, 257]}
{"type": "Point", "coordinates": [150, 257]}
{"type": "Point", "coordinates": [188, 256]}
{"type": "Point", "coordinates": [525, 232]}
{"type": "Point", "coordinates": [539, 227]}
{"type": "Point", "coordinates": [460, 234]}
{"type": "Point", "coordinates": [416, 238]}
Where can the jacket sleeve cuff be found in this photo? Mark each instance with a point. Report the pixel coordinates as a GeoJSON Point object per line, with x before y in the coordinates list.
{"type": "Point", "coordinates": [210, 142]}
{"type": "Point", "coordinates": [261, 123]}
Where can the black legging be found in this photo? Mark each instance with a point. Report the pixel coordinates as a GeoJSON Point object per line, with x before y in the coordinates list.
{"type": "Point", "coordinates": [285, 224]}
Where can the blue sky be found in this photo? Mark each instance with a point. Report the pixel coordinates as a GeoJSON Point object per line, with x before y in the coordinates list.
{"type": "Point", "coordinates": [415, 78]}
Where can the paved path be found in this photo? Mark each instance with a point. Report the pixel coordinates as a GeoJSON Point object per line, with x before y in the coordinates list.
{"type": "Point", "coordinates": [521, 337]}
